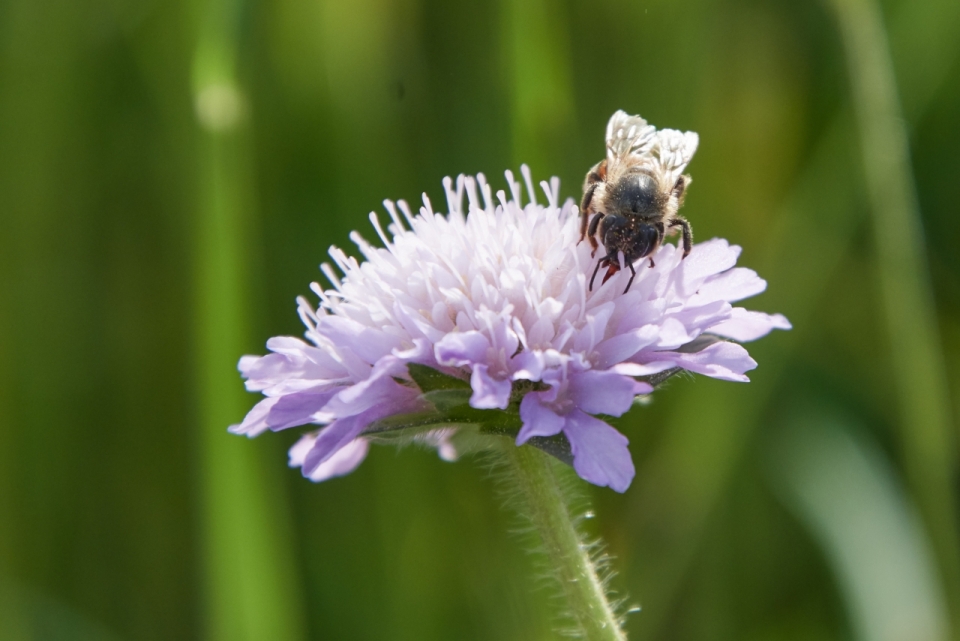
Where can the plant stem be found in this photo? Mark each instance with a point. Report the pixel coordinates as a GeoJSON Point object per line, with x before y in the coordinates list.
{"type": "Point", "coordinates": [537, 483]}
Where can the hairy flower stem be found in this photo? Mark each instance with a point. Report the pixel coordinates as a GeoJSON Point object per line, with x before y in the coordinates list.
{"type": "Point", "coordinates": [538, 485]}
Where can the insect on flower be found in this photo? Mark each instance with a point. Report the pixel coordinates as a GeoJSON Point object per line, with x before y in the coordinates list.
{"type": "Point", "coordinates": [634, 194]}
{"type": "Point", "coordinates": [465, 327]}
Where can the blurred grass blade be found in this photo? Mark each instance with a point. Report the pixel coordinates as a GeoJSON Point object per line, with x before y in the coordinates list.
{"type": "Point", "coordinates": [26, 615]}
{"type": "Point", "coordinates": [251, 586]}
{"type": "Point", "coordinates": [847, 495]}
{"type": "Point", "coordinates": [797, 226]}
{"type": "Point", "coordinates": [925, 420]}
{"type": "Point", "coordinates": [537, 57]}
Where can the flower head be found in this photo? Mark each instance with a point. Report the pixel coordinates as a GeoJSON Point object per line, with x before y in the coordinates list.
{"type": "Point", "coordinates": [485, 312]}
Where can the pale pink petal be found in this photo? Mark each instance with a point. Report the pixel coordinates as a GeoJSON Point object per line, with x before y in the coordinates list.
{"type": "Point", "coordinates": [380, 387]}
{"type": "Point", "coordinates": [707, 258]}
{"type": "Point", "coordinates": [673, 334]}
{"type": "Point", "coordinates": [646, 369]}
{"type": "Point", "coordinates": [255, 422]}
{"type": "Point", "coordinates": [529, 365]}
{"type": "Point", "coordinates": [344, 461]}
{"type": "Point", "coordinates": [620, 347]}
{"type": "Point", "coordinates": [732, 285]}
{"type": "Point", "coordinates": [745, 325]}
{"type": "Point", "coordinates": [368, 343]}
{"type": "Point", "coordinates": [488, 393]}
{"type": "Point", "coordinates": [462, 348]}
{"type": "Point", "coordinates": [723, 360]}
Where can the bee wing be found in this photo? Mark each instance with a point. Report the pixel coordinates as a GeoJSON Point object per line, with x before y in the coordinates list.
{"type": "Point", "coordinates": [674, 150]}
{"type": "Point", "coordinates": [629, 135]}
{"type": "Point", "coordinates": [667, 152]}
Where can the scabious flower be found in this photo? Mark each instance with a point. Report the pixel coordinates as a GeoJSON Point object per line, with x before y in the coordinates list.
{"type": "Point", "coordinates": [493, 302]}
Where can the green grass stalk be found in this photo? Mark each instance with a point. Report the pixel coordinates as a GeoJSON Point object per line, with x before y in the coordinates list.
{"type": "Point", "coordinates": [251, 588]}
{"type": "Point", "coordinates": [926, 424]}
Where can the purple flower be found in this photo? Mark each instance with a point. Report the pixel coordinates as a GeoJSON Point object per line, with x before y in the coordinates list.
{"type": "Point", "coordinates": [495, 299]}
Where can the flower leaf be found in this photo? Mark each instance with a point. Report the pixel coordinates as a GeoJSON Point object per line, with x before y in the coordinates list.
{"type": "Point", "coordinates": [448, 399]}
{"type": "Point", "coordinates": [700, 343]}
{"type": "Point", "coordinates": [429, 379]}
{"type": "Point", "coordinates": [415, 421]}
{"type": "Point", "coordinates": [658, 378]}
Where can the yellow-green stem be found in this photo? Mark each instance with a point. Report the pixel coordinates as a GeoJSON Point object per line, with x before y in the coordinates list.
{"type": "Point", "coordinates": [250, 574]}
{"type": "Point", "coordinates": [537, 483]}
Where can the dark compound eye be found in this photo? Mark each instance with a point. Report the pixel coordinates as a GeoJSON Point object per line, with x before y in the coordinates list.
{"type": "Point", "coordinates": [636, 193]}
{"type": "Point", "coordinates": [645, 241]}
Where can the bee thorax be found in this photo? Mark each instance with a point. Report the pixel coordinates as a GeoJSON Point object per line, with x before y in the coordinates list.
{"type": "Point", "coordinates": [634, 194]}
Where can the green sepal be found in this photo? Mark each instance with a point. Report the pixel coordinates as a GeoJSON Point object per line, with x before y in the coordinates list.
{"type": "Point", "coordinates": [450, 397]}
{"type": "Point", "coordinates": [446, 400]}
{"type": "Point", "coordinates": [413, 422]}
{"type": "Point", "coordinates": [429, 379]}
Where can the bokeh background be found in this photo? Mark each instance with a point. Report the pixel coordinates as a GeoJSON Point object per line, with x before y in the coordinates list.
{"type": "Point", "coordinates": [172, 173]}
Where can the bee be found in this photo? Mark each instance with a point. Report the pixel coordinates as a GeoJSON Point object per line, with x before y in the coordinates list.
{"type": "Point", "coordinates": [634, 194]}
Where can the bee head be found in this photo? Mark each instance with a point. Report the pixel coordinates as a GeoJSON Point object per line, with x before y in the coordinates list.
{"type": "Point", "coordinates": [634, 194]}
{"type": "Point", "coordinates": [635, 240]}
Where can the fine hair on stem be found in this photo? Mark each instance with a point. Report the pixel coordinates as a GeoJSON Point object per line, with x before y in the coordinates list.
{"type": "Point", "coordinates": [571, 564]}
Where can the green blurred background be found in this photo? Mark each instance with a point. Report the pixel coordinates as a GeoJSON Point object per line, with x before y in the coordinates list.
{"type": "Point", "coordinates": [172, 173]}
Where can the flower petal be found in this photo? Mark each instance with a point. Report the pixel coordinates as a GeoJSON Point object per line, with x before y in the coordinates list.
{"type": "Point", "coordinates": [488, 392]}
{"type": "Point", "coordinates": [538, 420]}
{"type": "Point", "coordinates": [602, 392]}
{"type": "Point", "coordinates": [255, 422]}
{"type": "Point", "coordinates": [732, 285]}
{"type": "Point", "coordinates": [343, 430]}
{"type": "Point", "coordinates": [706, 259]}
{"type": "Point", "coordinates": [442, 440]}
{"type": "Point", "coordinates": [723, 360]}
{"type": "Point", "coordinates": [595, 327]}
{"type": "Point", "coordinates": [529, 365]}
{"type": "Point", "coordinates": [645, 369]}
{"type": "Point", "coordinates": [620, 347]}
{"type": "Point", "coordinates": [344, 461]}
{"type": "Point", "coordinates": [745, 325]}
{"type": "Point", "coordinates": [297, 409]}
{"type": "Point", "coordinates": [369, 343]}
{"type": "Point", "coordinates": [696, 319]}
{"type": "Point", "coordinates": [380, 387]}
{"type": "Point", "coordinates": [457, 349]}
{"type": "Point", "coordinates": [335, 437]}
{"type": "Point", "coordinates": [600, 453]}
{"type": "Point", "coordinates": [673, 334]}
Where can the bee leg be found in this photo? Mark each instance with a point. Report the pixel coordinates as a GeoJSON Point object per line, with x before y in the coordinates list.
{"type": "Point", "coordinates": [681, 222]}
{"type": "Point", "coordinates": [652, 264]}
{"type": "Point", "coordinates": [585, 211]}
{"type": "Point", "coordinates": [594, 277]}
{"type": "Point", "coordinates": [592, 232]}
{"type": "Point", "coordinates": [633, 274]}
